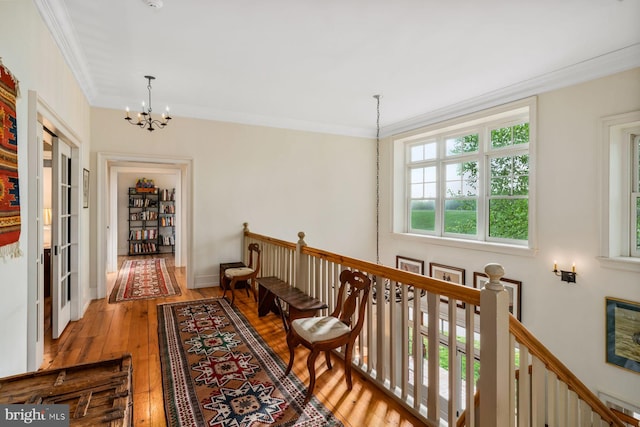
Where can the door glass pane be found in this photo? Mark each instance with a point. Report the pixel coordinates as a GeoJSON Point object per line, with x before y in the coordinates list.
{"type": "Point", "coordinates": [64, 231]}
{"type": "Point", "coordinates": [64, 292]}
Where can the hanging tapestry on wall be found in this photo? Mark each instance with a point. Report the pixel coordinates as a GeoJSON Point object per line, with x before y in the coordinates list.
{"type": "Point", "coordinates": [9, 190]}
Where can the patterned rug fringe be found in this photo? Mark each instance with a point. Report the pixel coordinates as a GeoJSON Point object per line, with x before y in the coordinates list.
{"type": "Point", "coordinates": [10, 251]}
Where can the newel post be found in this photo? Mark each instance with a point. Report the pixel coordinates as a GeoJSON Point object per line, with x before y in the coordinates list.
{"type": "Point", "coordinates": [301, 274]}
{"type": "Point", "coordinates": [245, 243]}
{"type": "Point", "coordinates": [494, 350]}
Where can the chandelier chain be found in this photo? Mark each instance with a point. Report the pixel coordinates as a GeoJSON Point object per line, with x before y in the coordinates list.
{"type": "Point", "coordinates": [377, 97]}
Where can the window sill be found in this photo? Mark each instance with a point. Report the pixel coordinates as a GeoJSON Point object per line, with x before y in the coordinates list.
{"type": "Point", "coordinates": [620, 263]}
{"type": "Point", "coordinates": [499, 248]}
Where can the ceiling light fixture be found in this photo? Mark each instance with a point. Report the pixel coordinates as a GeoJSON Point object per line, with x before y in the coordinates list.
{"type": "Point", "coordinates": [157, 4]}
{"type": "Point", "coordinates": [145, 121]}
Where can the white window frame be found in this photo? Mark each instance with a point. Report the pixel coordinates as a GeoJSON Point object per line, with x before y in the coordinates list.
{"type": "Point", "coordinates": [634, 247]}
{"type": "Point", "coordinates": [616, 175]}
{"type": "Point", "coordinates": [481, 122]}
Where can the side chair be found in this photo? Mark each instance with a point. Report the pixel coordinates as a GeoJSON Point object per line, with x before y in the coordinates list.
{"type": "Point", "coordinates": [325, 333]}
{"type": "Point", "coordinates": [249, 274]}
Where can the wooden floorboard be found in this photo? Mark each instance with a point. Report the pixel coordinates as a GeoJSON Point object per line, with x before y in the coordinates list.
{"type": "Point", "coordinates": [108, 330]}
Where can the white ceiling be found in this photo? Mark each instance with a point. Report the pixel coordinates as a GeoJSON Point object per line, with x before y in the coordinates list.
{"type": "Point", "coordinates": [315, 64]}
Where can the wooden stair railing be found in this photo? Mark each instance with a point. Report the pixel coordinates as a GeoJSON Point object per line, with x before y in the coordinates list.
{"type": "Point", "coordinates": [627, 419]}
{"type": "Point", "coordinates": [554, 365]}
{"type": "Point", "coordinates": [288, 260]}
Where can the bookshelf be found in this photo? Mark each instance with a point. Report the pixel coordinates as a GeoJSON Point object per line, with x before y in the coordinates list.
{"type": "Point", "coordinates": [143, 220]}
{"type": "Point", "coordinates": [166, 221]}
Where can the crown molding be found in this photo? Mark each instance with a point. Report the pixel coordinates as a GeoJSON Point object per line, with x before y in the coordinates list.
{"type": "Point", "coordinates": [56, 18]}
{"type": "Point", "coordinates": [600, 66]}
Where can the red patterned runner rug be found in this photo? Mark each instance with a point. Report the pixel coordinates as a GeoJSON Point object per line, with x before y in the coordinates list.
{"type": "Point", "coordinates": [144, 279]}
{"type": "Point", "coordinates": [217, 371]}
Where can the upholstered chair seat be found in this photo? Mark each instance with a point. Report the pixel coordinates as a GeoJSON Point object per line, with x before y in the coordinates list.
{"type": "Point", "coordinates": [314, 329]}
{"type": "Point", "coordinates": [248, 274]}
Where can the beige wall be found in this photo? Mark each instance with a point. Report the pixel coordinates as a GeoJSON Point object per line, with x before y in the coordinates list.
{"type": "Point", "coordinates": [568, 319]}
{"type": "Point", "coordinates": [279, 181]}
{"type": "Point", "coordinates": [28, 50]}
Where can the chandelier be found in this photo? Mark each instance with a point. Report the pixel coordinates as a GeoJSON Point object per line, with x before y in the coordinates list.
{"type": "Point", "coordinates": [145, 121]}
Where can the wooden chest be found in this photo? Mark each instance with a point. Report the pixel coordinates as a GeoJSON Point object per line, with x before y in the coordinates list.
{"type": "Point", "coordinates": [98, 394]}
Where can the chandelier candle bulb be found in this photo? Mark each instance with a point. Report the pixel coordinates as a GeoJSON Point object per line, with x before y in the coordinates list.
{"type": "Point", "coordinates": [555, 265]}
{"type": "Point", "coordinates": [573, 267]}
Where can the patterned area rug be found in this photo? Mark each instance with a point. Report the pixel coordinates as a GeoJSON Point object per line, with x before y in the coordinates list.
{"type": "Point", "coordinates": [217, 371]}
{"type": "Point", "coordinates": [143, 279]}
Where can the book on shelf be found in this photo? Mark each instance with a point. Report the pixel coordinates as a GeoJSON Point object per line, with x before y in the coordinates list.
{"type": "Point", "coordinates": [167, 240]}
{"type": "Point", "coordinates": [167, 221]}
{"type": "Point", "coordinates": [150, 234]}
{"type": "Point", "coordinates": [168, 195]}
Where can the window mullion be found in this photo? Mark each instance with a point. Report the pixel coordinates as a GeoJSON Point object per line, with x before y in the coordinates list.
{"type": "Point", "coordinates": [483, 193]}
{"type": "Point", "coordinates": [442, 185]}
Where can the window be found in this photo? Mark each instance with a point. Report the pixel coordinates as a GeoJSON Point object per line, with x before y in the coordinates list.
{"type": "Point", "coordinates": [620, 193]}
{"type": "Point", "coordinates": [469, 179]}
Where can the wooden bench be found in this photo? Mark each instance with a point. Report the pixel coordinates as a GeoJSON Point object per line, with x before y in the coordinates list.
{"type": "Point", "coordinates": [273, 291]}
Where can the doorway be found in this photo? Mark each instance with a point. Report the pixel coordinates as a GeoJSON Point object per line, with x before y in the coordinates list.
{"type": "Point", "coordinates": [108, 168]}
{"type": "Point", "coordinates": [63, 218]}
{"type": "Point", "coordinates": [157, 221]}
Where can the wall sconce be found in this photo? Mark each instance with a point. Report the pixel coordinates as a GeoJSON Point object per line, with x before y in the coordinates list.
{"type": "Point", "coordinates": [565, 276]}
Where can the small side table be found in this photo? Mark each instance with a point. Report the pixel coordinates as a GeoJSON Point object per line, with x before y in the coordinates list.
{"type": "Point", "coordinates": [224, 266]}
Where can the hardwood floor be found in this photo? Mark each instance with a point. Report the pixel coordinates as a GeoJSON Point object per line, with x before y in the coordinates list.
{"type": "Point", "coordinates": [109, 330]}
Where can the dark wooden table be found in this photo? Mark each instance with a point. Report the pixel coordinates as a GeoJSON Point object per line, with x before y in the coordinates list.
{"type": "Point", "coordinates": [273, 291]}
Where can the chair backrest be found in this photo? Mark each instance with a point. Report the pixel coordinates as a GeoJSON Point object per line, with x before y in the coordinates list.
{"type": "Point", "coordinates": [357, 286]}
{"type": "Point", "coordinates": [254, 247]}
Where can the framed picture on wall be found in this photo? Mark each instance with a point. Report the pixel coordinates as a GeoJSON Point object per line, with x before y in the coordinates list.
{"type": "Point", "coordinates": [409, 264]}
{"type": "Point", "coordinates": [623, 333]}
{"type": "Point", "coordinates": [512, 286]}
{"type": "Point", "coordinates": [448, 274]}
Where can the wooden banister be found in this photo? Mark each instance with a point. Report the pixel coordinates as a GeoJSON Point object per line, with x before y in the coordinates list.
{"type": "Point", "coordinates": [627, 419]}
{"type": "Point", "coordinates": [430, 284]}
{"type": "Point", "coordinates": [553, 364]}
{"type": "Point", "coordinates": [316, 259]}
{"type": "Point", "coordinates": [271, 240]}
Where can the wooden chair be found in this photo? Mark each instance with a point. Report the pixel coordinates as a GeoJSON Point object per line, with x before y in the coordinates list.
{"type": "Point", "coordinates": [234, 275]}
{"type": "Point", "coordinates": [325, 333]}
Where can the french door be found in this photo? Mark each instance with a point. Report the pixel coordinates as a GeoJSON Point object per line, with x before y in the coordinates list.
{"type": "Point", "coordinates": [61, 240]}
